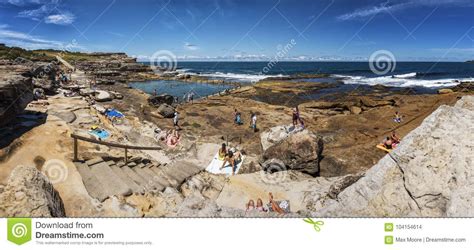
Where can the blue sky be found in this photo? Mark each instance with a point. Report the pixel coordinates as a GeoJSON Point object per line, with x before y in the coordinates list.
{"type": "Point", "coordinates": [246, 30]}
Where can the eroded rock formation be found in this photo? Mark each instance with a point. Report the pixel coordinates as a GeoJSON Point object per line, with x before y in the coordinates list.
{"type": "Point", "coordinates": [29, 193]}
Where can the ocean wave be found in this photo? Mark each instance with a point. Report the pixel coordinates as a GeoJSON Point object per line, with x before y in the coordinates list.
{"type": "Point", "coordinates": [406, 81]}
{"type": "Point", "coordinates": [408, 75]}
{"type": "Point", "coordinates": [240, 77]}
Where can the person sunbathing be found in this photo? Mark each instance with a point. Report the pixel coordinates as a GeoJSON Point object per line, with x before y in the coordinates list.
{"type": "Point", "coordinates": [274, 205]}
{"type": "Point", "coordinates": [260, 206]}
{"type": "Point", "coordinates": [250, 206]}
{"type": "Point", "coordinates": [229, 158]}
{"type": "Point", "coordinates": [388, 143]}
{"type": "Point", "coordinates": [222, 152]}
{"type": "Point", "coordinates": [172, 139]}
{"type": "Point", "coordinates": [394, 137]}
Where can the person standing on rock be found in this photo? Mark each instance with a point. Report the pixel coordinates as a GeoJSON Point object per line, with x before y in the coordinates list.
{"type": "Point", "coordinates": [191, 97]}
{"type": "Point", "coordinates": [296, 116]}
{"type": "Point", "coordinates": [253, 121]}
{"type": "Point", "coordinates": [176, 120]}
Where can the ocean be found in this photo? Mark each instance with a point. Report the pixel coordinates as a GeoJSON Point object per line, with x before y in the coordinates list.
{"type": "Point", "coordinates": [419, 75]}
{"type": "Point", "coordinates": [404, 74]}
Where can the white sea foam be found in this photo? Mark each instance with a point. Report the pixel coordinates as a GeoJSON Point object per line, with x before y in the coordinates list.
{"type": "Point", "coordinates": [404, 81]}
{"type": "Point", "coordinates": [240, 77]}
{"type": "Point", "coordinates": [409, 75]}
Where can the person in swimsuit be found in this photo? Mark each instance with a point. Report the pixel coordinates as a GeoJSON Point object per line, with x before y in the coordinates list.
{"type": "Point", "coordinates": [260, 206]}
{"type": "Point", "coordinates": [388, 143]}
{"type": "Point", "coordinates": [250, 206]}
{"type": "Point", "coordinates": [172, 138]}
{"type": "Point", "coordinates": [274, 205]}
{"type": "Point", "coordinates": [296, 116]}
{"type": "Point", "coordinates": [394, 137]}
{"type": "Point", "coordinates": [222, 152]}
{"type": "Point", "coordinates": [229, 158]}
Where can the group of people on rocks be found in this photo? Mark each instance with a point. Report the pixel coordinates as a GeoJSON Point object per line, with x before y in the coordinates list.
{"type": "Point", "coordinates": [272, 206]}
{"type": "Point", "coordinates": [297, 120]}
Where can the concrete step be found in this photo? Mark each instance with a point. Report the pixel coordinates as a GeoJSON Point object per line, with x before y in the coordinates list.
{"type": "Point", "coordinates": [181, 170]}
{"type": "Point", "coordinates": [168, 181]}
{"type": "Point", "coordinates": [148, 175]}
{"type": "Point", "coordinates": [111, 182]}
{"type": "Point", "coordinates": [94, 161]}
{"type": "Point", "coordinates": [126, 179]}
{"type": "Point", "coordinates": [140, 181]}
{"type": "Point", "coordinates": [93, 186]}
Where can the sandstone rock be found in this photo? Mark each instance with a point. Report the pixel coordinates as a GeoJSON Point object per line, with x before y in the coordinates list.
{"type": "Point", "coordinates": [156, 101]}
{"type": "Point", "coordinates": [300, 151]}
{"type": "Point", "coordinates": [355, 110]}
{"type": "Point", "coordinates": [276, 134]}
{"type": "Point", "coordinates": [102, 96]}
{"type": "Point", "coordinates": [67, 116]}
{"type": "Point", "coordinates": [29, 193]}
{"type": "Point", "coordinates": [429, 174]}
{"type": "Point", "coordinates": [86, 92]}
{"type": "Point", "coordinates": [372, 103]}
{"type": "Point", "coordinates": [166, 111]}
{"type": "Point", "coordinates": [445, 91]}
{"type": "Point", "coordinates": [15, 94]}
{"type": "Point", "coordinates": [464, 87]}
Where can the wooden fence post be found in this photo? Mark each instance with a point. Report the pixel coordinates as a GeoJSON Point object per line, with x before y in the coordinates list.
{"type": "Point", "coordinates": [126, 156]}
{"type": "Point", "coordinates": [75, 150]}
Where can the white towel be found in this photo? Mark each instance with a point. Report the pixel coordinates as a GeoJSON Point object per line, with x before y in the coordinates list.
{"type": "Point", "coordinates": [227, 170]}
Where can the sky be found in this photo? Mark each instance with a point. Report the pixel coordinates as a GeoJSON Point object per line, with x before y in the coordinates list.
{"type": "Point", "coordinates": [333, 30]}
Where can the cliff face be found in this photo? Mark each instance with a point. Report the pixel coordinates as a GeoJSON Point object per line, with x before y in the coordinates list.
{"type": "Point", "coordinates": [15, 91]}
{"type": "Point", "coordinates": [431, 173]}
{"type": "Point", "coordinates": [30, 194]}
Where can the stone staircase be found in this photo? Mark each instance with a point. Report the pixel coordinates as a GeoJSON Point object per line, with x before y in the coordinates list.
{"type": "Point", "coordinates": [105, 177]}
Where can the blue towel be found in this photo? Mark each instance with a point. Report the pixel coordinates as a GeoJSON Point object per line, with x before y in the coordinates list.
{"type": "Point", "coordinates": [102, 134]}
{"type": "Point", "coordinates": [114, 113]}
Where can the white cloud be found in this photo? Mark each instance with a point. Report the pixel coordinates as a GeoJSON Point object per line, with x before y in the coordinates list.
{"type": "Point", "coordinates": [43, 10]}
{"type": "Point", "coordinates": [400, 5]}
{"type": "Point", "coordinates": [24, 40]}
{"type": "Point", "coordinates": [35, 14]}
{"type": "Point", "coordinates": [60, 19]}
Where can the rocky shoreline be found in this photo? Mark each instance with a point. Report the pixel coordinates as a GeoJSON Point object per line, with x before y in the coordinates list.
{"type": "Point", "coordinates": [317, 170]}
